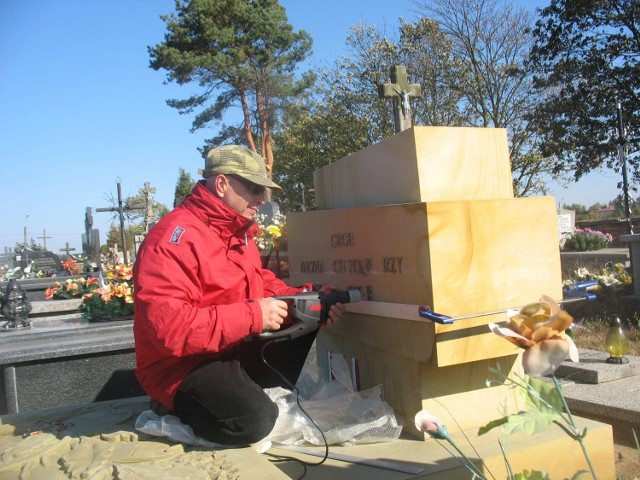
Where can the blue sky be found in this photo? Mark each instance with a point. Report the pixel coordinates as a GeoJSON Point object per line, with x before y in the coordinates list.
{"type": "Point", "coordinates": [80, 107]}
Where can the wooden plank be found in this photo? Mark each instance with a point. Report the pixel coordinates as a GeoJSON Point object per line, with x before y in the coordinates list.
{"type": "Point", "coordinates": [421, 164]}
{"type": "Point", "coordinates": [399, 328]}
{"type": "Point", "coordinates": [408, 338]}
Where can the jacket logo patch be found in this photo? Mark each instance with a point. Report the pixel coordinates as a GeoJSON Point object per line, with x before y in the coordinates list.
{"type": "Point", "coordinates": [175, 236]}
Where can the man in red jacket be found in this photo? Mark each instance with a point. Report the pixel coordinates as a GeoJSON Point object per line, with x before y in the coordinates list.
{"type": "Point", "coordinates": [200, 292]}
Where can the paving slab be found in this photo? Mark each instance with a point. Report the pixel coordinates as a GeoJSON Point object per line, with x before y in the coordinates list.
{"type": "Point", "coordinates": [593, 368]}
{"type": "Point", "coordinates": [600, 390]}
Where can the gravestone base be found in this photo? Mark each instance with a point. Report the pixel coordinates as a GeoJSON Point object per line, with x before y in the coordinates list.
{"type": "Point", "coordinates": [551, 451]}
{"type": "Point", "coordinates": [72, 380]}
{"type": "Point", "coordinates": [410, 384]}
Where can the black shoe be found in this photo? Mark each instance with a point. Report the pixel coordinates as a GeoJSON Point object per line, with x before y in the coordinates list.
{"type": "Point", "coordinates": [159, 409]}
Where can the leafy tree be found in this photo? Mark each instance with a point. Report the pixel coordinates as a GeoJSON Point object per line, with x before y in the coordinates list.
{"type": "Point", "coordinates": [242, 53]}
{"type": "Point", "coordinates": [349, 115]}
{"type": "Point", "coordinates": [586, 54]}
{"type": "Point", "coordinates": [470, 59]}
{"type": "Point", "coordinates": [576, 207]}
{"type": "Point", "coordinates": [314, 136]}
{"type": "Point", "coordinates": [491, 41]}
{"type": "Point", "coordinates": [183, 187]}
{"type": "Point", "coordinates": [31, 245]}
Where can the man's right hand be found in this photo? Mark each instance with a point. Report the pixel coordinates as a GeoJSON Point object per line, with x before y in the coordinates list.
{"type": "Point", "coordinates": [273, 313]}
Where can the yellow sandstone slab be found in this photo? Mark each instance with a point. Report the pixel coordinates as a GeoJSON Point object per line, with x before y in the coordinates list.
{"type": "Point", "coordinates": [459, 257]}
{"type": "Point", "coordinates": [421, 164]}
{"type": "Point", "coordinates": [552, 451]}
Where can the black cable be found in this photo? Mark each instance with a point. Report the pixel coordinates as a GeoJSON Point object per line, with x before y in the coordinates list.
{"type": "Point", "coordinates": [297, 393]}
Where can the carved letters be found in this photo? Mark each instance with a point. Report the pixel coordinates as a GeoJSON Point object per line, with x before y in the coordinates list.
{"type": "Point", "coordinates": [352, 266]}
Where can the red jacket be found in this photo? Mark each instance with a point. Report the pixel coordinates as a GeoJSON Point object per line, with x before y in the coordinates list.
{"type": "Point", "coordinates": [195, 275]}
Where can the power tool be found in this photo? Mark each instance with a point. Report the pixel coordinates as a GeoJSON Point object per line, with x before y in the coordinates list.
{"type": "Point", "coordinates": [307, 311]}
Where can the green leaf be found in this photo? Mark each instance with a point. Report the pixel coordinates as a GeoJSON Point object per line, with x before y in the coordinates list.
{"type": "Point", "coordinates": [532, 475]}
{"type": "Point", "coordinates": [581, 474]}
{"type": "Point", "coordinates": [492, 424]}
{"type": "Point", "coordinates": [546, 393]}
{"type": "Point", "coordinates": [529, 422]}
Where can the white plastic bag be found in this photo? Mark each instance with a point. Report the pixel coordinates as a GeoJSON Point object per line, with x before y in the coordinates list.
{"type": "Point", "coordinates": [344, 415]}
{"type": "Point", "coordinates": [171, 427]}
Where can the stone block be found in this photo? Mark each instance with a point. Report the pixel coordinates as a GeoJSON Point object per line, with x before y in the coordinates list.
{"type": "Point", "coordinates": [421, 164]}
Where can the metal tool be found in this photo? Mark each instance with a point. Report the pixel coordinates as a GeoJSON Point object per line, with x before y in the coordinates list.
{"type": "Point", "coordinates": [425, 311]}
{"type": "Point", "coordinates": [308, 311]}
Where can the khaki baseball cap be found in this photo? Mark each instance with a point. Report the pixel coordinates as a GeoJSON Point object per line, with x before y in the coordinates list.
{"type": "Point", "coordinates": [238, 160]}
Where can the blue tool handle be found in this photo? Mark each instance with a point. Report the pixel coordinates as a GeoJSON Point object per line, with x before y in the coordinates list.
{"type": "Point", "coordinates": [440, 318]}
{"type": "Point", "coordinates": [574, 294]}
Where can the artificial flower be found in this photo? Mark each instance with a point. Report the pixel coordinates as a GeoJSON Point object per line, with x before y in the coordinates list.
{"type": "Point", "coordinates": [538, 327]}
{"type": "Point", "coordinates": [428, 423]}
{"type": "Point", "coordinates": [270, 234]}
{"type": "Point", "coordinates": [71, 288]}
{"type": "Point", "coordinates": [274, 230]}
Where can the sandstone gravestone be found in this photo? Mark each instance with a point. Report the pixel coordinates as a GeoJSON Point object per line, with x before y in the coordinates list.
{"type": "Point", "coordinates": [428, 217]}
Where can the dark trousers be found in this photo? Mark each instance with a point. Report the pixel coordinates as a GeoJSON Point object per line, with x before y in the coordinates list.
{"type": "Point", "coordinates": [223, 400]}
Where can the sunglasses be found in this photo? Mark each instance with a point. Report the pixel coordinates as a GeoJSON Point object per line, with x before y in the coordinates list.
{"type": "Point", "coordinates": [254, 188]}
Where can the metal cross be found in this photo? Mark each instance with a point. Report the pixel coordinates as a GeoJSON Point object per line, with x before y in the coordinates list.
{"type": "Point", "coordinates": [67, 249]}
{"type": "Point", "coordinates": [121, 209]}
{"type": "Point", "coordinates": [401, 92]}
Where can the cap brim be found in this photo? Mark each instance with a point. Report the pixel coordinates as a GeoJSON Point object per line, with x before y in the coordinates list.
{"type": "Point", "coordinates": [259, 180]}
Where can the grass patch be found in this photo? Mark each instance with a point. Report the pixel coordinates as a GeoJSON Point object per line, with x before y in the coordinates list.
{"type": "Point", "coordinates": [591, 335]}
{"type": "Point", "coordinates": [591, 321]}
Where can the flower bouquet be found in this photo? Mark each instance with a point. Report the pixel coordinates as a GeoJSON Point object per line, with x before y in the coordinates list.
{"type": "Point", "coordinates": [271, 235]}
{"type": "Point", "coordinates": [71, 266]}
{"type": "Point", "coordinates": [71, 288]}
{"type": "Point", "coordinates": [113, 299]}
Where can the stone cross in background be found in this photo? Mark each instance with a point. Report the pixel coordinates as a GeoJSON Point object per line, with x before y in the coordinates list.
{"type": "Point", "coordinates": [401, 92]}
{"type": "Point", "coordinates": [147, 193]}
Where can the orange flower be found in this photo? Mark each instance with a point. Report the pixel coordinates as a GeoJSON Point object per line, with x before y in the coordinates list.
{"type": "Point", "coordinates": [539, 328]}
{"type": "Point", "coordinates": [49, 292]}
{"type": "Point", "coordinates": [87, 296]}
{"type": "Point", "coordinates": [106, 293]}
{"type": "Point", "coordinates": [92, 281]}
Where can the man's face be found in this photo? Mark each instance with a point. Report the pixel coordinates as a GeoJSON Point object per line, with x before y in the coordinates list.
{"type": "Point", "coordinates": [243, 196]}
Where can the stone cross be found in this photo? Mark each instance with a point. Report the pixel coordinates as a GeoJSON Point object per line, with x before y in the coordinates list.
{"type": "Point", "coordinates": [401, 92]}
{"type": "Point", "coordinates": [147, 193]}
{"type": "Point", "coordinates": [44, 239]}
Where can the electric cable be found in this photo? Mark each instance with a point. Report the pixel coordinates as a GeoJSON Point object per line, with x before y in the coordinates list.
{"type": "Point", "coordinates": [297, 395]}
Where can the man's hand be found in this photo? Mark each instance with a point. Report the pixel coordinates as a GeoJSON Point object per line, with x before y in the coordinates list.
{"type": "Point", "coordinates": [273, 313]}
{"type": "Point", "coordinates": [336, 311]}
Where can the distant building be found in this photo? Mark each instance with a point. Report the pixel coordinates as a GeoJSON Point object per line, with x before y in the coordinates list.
{"type": "Point", "coordinates": [607, 212]}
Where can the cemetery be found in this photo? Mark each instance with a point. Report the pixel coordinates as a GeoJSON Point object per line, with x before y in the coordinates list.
{"type": "Point", "coordinates": [403, 227]}
{"type": "Point", "coordinates": [462, 321]}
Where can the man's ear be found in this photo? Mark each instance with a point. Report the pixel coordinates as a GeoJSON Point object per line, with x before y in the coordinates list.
{"type": "Point", "coordinates": [218, 184]}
